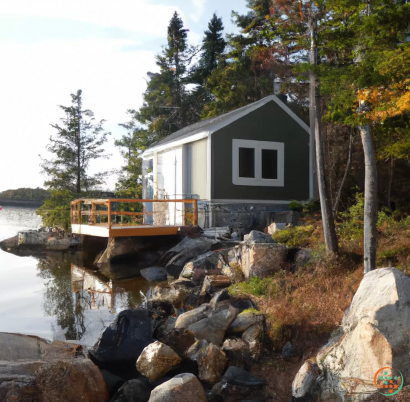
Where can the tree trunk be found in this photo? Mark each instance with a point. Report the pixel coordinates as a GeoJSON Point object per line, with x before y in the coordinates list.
{"type": "Point", "coordinates": [348, 164]}
{"type": "Point", "coordinates": [370, 201]}
{"type": "Point", "coordinates": [329, 229]}
{"type": "Point", "coordinates": [391, 170]}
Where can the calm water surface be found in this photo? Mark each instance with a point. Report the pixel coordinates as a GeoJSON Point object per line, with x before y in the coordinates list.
{"type": "Point", "coordinates": [54, 296]}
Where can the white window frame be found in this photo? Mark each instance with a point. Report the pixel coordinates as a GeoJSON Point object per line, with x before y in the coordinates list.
{"type": "Point", "coordinates": [258, 180]}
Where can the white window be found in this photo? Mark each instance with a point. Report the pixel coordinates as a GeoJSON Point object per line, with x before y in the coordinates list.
{"type": "Point", "coordinates": [258, 163]}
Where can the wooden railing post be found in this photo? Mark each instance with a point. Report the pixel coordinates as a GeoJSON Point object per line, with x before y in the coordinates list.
{"type": "Point", "coordinates": [109, 214]}
{"type": "Point", "coordinates": [195, 213]}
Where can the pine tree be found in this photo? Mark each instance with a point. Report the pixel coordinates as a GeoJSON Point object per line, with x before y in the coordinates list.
{"type": "Point", "coordinates": [77, 142]}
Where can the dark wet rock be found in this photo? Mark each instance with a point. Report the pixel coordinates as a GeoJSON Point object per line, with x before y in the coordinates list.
{"type": "Point", "coordinates": [237, 352]}
{"type": "Point", "coordinates": [258, 237]}
{"type": "Point", "coordinates": [181, 388]}
{"type": "Point", "coordinates": [176, 258]}
{"type": "Point", "coordinates": [156, 360]}
{"type": "Point", "coordinates": [164, 326]}
{"type": "Point", "coordinates": [160, 308]}
{"type": "Point", "coordinates": [213, 283]}
{"type": "Point", "coordinates": [154, 274]}
{"type": "Point", "coordinates": [183, 283]}
{"type": "Point", "coordinates": [211, 364]}
{"type": "Point", "coordinates": [254, 337]}
{"type": "Point", "coordinates": [31, 368]}
{"type": "Point", "coordinates": [192, 316]}
{"type": "Point", "coordinates": [237, 376]}
{"type": "Point", "coordinates": [132, 391]}
{"type": "Point", "coordinates": [244, 320]}
{"type": "Point", "coordinates": [241, 303]}
{"type": "Point", "coordinates": [124, 340]}
{"type": "Point", "coordinates": [179, 340]}
{"type": "Point", "coordinates": [287, 350]}
{"type": "Point", "coordinates": [112, 381]}
{"type": "Point", "coordinates": [213, 328]}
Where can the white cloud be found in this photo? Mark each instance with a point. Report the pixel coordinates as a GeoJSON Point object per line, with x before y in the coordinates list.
{"type": "Point", "coordinates": [37, 78]}
{"type": "Point", "coordinates": [199, 6]}
{"type": "Point", "coordinates": [132, 15]}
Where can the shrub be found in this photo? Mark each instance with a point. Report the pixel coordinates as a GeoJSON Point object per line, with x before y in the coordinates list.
{"type": "Point", "coordinates": [298, 236]}
{"type": "Point", "coordinates": [254, 286]}
{"type": "Point", "coordinates": [296, 206]}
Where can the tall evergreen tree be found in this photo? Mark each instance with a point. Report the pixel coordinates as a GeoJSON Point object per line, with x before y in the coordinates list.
{"type": "Point", "coordinates": [167, 106]}
{"type": "Point", "coordinates": [77, 142]}
{"type": "Point", "coordinates": [213, 47]}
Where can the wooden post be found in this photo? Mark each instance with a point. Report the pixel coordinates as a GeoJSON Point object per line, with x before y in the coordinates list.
{"type": "Point", "coordinates": [195, 213]}
{"type": "Point", "coordinates": [109, 214]}
{"type": "Point", "coordinates": [93, 213]}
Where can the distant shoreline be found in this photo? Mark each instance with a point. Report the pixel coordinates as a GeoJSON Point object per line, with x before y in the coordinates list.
{"type": "Point", "coordinates": [20, 203]}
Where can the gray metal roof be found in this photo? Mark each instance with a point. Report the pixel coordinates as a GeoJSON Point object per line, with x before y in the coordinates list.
{"type": "Point", "coordinates": [215, 123]}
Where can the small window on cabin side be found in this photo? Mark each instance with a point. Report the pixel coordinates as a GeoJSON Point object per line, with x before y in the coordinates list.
{"type": "Point", "coordinates": [246, 162]}
{"type": "Point", "coordinates": [269, 164]}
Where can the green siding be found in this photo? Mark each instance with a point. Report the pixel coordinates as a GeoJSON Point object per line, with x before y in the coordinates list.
{"type": "Point", "coordinates": [268, 123]}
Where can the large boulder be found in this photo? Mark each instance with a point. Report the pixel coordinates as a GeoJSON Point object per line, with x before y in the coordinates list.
{"type": "Point", "coordinates": [214, 283]}
{"type": "Point", "coordinates": [262, 260]}
{"type": "Point", "coordinates": [237, 352]}
{"type": "Point", "coordinates": [305, 379]}
{"type": "Point", "coordinates": [124, 340]}
{"type": "Point", "coordinates": [197, 268]}
{"type": "Point", "coordinates": [34, 370]}
{"type": "Point", "coordinates": [176, 258]}
{"type": "Point", "coordinates": [156, 360]}
{"type": "Point", "coordinates": [172, 293]}
{"type": "Point", "coordinates": [254, 337]}
{"type": "Point", "coordinates": [211, 364]}
{"type": "Point", "coordinates": [374, 334]}
{"type": "Point", "coordinates": [181, 388]}
{"type": "Point", "coordinates": [192, 316]}
{"type": "Point", "coordinates": [45, 240]}
{"type": "Point", "coordinates": [179, 340]}
{"type": "Point", "coordinates": [214, 327]}
{"type": "Point", "coordinates": [246, 319]}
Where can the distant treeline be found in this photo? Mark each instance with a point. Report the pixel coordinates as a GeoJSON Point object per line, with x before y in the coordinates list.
{"type": "Point", "coordinates": [26, 194]}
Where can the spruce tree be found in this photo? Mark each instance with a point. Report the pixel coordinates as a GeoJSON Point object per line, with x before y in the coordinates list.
{"type": "Point", "coordinates": [213, 47]}
{"type": "Point", "coordinates": [78, 141]}
{"type": "Point", "coordinates": [167, 107]}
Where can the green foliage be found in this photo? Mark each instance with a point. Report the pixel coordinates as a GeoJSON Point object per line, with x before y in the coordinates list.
{"type": "Point", "coordinates": [27, 194]}
{"type": "Point", "coordinates": [78, 141]}
{"type": "Point", "coordinates": [131, 145]}
{"type": "Point", "coordinates": [296, 206]}
{"type": "Point", "coordinates": [254, 286]}
{"type": "Point", "coordinates": [298, 236]}
{"type": "Point", "coordinates": [56, 209]}
{"type": "Point", "coordinates": [351, 226]}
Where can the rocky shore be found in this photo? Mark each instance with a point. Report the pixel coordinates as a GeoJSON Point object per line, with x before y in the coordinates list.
{"type": "Point", "coordinates": [193, 338]}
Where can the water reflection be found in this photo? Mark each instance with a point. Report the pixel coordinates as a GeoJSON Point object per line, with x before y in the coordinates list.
{"type": "Point", "coordinates": [82, 301]}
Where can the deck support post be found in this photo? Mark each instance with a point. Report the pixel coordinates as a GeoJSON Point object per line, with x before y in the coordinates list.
{"type": "Point", "coordinates": [109, 215]}
{"type": "Point", "coordinates": [195, 213]}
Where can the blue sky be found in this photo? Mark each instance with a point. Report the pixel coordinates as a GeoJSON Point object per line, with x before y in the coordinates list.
{"type": "Point", "coordinates": [51, 48]}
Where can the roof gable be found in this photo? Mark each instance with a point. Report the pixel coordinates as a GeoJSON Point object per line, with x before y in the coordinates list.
{"type": "Point", "coordinates": [204, 128]}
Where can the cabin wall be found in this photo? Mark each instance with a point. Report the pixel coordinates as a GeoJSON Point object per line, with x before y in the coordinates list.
{"type": "Point", "coordinates": [195, 169]}
{"type": "Point", "coordinates": [268, 123]}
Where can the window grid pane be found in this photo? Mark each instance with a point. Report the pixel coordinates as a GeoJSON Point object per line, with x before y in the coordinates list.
{"type": "Point", "coordinates": [247, 162]}
{"type": "Point", "coordinates": [269, 164]}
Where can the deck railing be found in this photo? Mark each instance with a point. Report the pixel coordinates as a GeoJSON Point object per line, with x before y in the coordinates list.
{"type": "Point", "coordinates": [130, 212]}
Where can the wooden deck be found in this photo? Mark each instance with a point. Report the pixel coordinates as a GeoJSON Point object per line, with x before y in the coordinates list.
{"type": "Point", "coordinates": [125, 218]}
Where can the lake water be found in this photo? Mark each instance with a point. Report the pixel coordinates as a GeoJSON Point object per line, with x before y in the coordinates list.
{"type": "Point", "coordinates": [54, 296]}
